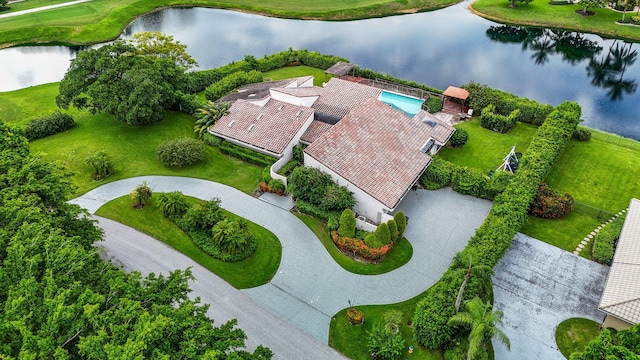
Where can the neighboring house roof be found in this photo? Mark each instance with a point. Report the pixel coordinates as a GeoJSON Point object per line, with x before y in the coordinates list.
{"type": "Point", "coordinates": [340, 68]}
{"type": "Point", "coordinates": [621, 295]}
{"type": "Point", "coordinates": [261, 90]}
{"type": "Point", "coordinates": [340, 96]}
{"type": "Point", "coordinates": [314, 131]}
{"type": "Point", "coordinates": [307, 91]}
{"type": "Point", "coordinates": [270, 127]}
{"type": "Point", "coordinates": [377, 149]}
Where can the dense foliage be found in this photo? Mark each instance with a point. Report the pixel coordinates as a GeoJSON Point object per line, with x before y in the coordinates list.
{"type": "Point", "coordinates": [459, 138]}
{"type": "Point", "coordinates": [101, 164]}
{"type": "Point", "coordinates": [493, 238]}
{"type": "Point", "coordinates": [582, 134]}
{"type": "Point", "coordinates": [231, 82]}
{"type": "Point", "coordinates": [550, 204]}
{"type": "Point", "coordinates": [60, 300]}
{"type": "Point", "coordinates": [311, 188]}
{"type": "Point", "coordinates": [385, 343]}
{"type": "Point", "coordinates": [624, 346]}
{"type": "Point", "coordinates": [489, 119]}
{"type": "Point", "coordinates": [246, 154]}
{"type": "Point", "coordinates": [48, 125]}
{"type": "Point", "coordinates": [604, 243]}
{"type": "Point", "coordinates": [181, 152]}
{"type": "Point", "coordinates": [347, 227]}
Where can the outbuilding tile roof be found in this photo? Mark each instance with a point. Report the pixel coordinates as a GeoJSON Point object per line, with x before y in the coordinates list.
{"type": "Point", "coordinates": [270, 127]}
{"type": "Point", "coordinates": [621, 295]}
{"type": "Point", "coordinates": [377, 149]}
{"type": "Point", "coordinates": [340, 96]}
{"type": "Point", "coordinates": [314, 131]}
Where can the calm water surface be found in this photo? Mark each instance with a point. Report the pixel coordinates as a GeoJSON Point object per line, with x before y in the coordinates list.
{"type": "Point", "coordinates": [441, 48]}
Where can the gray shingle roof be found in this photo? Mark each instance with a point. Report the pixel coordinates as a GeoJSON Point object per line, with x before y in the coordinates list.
{"type": "Point", "coordinates": [621, 295]}
{"type": "Point", "coordinates": [376, 148]}
{"type": "Point", "coordinates": [340, 96]}
{"type": "Point", "coordinates": [270, 127]}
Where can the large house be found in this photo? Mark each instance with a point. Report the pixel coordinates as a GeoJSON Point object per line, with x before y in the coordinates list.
{"type": "Point", "coordinates": [376, 150]}
{"type": "Point", "coordinates": [621, 296]}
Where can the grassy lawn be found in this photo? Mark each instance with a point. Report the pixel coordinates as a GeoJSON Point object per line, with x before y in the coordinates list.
{"type": "Point", "coordinates": [101, 20]}
{"type": "Point", "coordinates": [132, 148]}
{"type": "Point", "coordinates": [296, 71]}
{"type": "Point", "coordinates": [486, 149]}
{"type": "Point", "coordinates": [541, 14]}
{"type": "Point", "coordinates": [31, 4]}
{"type": "Point", "coordinates": [574, 334]}
{"type": "Point", "coordinates": [601, 173]}
{"type": "Point", "coordinates": [352, 340]}
{"type": "Point", "coordinates": [398, 256]}
{"type": "Point", "coordinates": [256, 270]}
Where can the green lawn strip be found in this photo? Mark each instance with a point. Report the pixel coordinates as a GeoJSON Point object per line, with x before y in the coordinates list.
{"type": "Point", "coordinates": [256, 270]}
{"type": "Point", "coordinates": [598, 173]}
{"type": "Point", "coordinates": [31, 4]}
{"type": "Point", "coordinates": [132, 148]}
{"type": "Point", "coordinates": [102, 20]}
{"type": "Point", "coordinates": [574, 334]}
{"type": "Point", "coordinates": [296, 71]}
{"type": "Point", "coordinates": [565, 233]}
{"type": "Point", "coordinates": [398, 256]}
{"type": "Point", "coordinates": [541, 14]}
{"type": "Point", "coordinates": [351, 340]}
{"type": "Point", "coordinates": [486, 149]}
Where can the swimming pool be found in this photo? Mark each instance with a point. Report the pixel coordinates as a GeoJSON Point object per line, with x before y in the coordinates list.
{"type": "Point", "coordinates": [407, 104]}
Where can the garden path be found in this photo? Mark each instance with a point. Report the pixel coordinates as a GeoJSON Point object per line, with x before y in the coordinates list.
{"type": "Point", "coordinates": [309, 287]}
{"type": "Point", "coordinates": [18, 13]}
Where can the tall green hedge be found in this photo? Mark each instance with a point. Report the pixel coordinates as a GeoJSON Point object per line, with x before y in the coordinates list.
{"type": "Point", "coordinates": [605, 240]}
{"type": "Point", "coordinates": [493, 238]}
{"type": "Point", "coordinates": [491, 120]}
{"type": "Point", "coordinates": [230, 82]}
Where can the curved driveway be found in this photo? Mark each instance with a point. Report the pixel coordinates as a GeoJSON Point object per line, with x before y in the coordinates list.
{"type": "Point", "coordinates": [309, 286]}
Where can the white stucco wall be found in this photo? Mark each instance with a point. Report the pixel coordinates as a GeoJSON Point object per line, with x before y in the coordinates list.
{"type": "Point", "coordinates": [288, 152]}
{"type": "Point", "coordinates": [295, 100]}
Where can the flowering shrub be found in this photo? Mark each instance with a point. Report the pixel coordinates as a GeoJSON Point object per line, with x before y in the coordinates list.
{"type": "Point", "coordinates": [549, 204]}
{"type": "Point", "coordinates": [355, 316]}
{"type": "Point", "coordinates": [359, 248]}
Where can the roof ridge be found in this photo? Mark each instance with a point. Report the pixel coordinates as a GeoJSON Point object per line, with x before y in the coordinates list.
{"type": "Point", "coordinates": [621, 302]}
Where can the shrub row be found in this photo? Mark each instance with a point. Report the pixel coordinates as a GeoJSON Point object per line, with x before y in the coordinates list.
{"type": "Point", "coordinates": [468, 181]}
{"type": "Point", "coordinates": [359, 248]}
{"type": "Point", "coordinates": [288, 168]}
{"type": "Point", "coordinates": [188, 103]}
{"type": "Point", "coordinates": [480, 96]}
{"type": "Point", "coordinates": [48, 125]}
{"type": "Point", "coordinates": [493, 238]}
{"type": "Point", "coordinates": [604, 243]}
{"type": "Point", "coordinates": [315, 187]}
{"type": "Point", "coordinates": [316, 211]}
{"type": "Point", "coordinates": [248, 155]}
{"type": "Point", "coordinates": [489, 119]}
{"type": "Point", "coordinates": [199, 80]}
{"type": "Point", "coordinates": [230, 82]}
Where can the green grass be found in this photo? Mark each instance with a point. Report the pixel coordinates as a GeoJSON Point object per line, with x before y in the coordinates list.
{"type": "Point", "coordinates": [574, 334]}
{"type": "Point", "coordinates": [565, 233]}
{"type": "Point", "coordinates": [30, 4]}
{"type": "Point", "coordinates": [486, 149]}
{"type": "Point", "coordinates": [296, 71]}
{"type": "Point", "coordinates": [102, 20]}
{"type": "Point", "coordinates": [398, 256]}
{"type": "Point", "coordinates": [132, 148]}
{"type": "Point", "coordinates": [352, 340]}
{"type": "Point", "coordinates": [541, 14]}
{"type": "Point", "coordinates": [256, 270]}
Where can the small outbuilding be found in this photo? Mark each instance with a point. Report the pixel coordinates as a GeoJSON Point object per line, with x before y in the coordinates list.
{"type": "Point", "coordinates": [621, 296]}
{"type": "Point", "coordinates": [455, 100]}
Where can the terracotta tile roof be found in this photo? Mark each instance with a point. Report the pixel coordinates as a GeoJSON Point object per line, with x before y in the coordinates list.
{"type": "Point", "coordinates": [440, 129]}
{"type": "Point", "coordinates": [621, 295]}
{"type": "Point", "coordinates": [270, 127]}
{"type": "Point", "coordinates": [300, 91]}
{"type": "Point", "coordinates": [340, 96]}
{"type": "Point", "coordinates": [377, 149]}
{"type": "Point", "coordinates": [314, 131]}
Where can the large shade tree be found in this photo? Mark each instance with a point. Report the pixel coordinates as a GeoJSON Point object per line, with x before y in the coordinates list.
{"type": "Point", "coordinates": [134, 84]}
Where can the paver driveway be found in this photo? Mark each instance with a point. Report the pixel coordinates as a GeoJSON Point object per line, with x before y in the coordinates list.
{"type": "Point", "coordinates": [538, 286]}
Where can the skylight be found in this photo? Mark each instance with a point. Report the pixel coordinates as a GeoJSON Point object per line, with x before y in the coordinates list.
{"type": "Point", "coordinates": [299, 113]}
{"type": "Point", "coordinates": [231, 123]}
{"type": "Point", "coordinates": [251, 127]}
{"type": "Point", "coordinates": [260, 116]}
{"type": "Point", "coordinates": [427, 146]}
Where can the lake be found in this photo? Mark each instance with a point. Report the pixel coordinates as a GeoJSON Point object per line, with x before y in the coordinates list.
{"type": "Point", "coordinates": [445, 47]}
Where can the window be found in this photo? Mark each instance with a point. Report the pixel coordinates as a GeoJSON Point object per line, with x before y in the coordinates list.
{"type": "Point", "coordinates": [427, 146]}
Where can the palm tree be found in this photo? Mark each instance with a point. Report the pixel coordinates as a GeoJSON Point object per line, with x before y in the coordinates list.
{"type": "Point", "coordinates": [483, 322]}
{"type": "Point", "coordinates": [481, 270]}
{"type": "Point", "coordinates": [208, 114]}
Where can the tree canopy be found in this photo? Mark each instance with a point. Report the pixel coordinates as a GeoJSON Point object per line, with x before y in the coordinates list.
{"type": "Point", "coordinates": [134, 84]}
{"type": "Point", "coordinates": [58, 299]}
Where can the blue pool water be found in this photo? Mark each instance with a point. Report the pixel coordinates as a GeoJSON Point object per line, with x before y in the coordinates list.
{"type": "Point", "coordinates": [408, 104]}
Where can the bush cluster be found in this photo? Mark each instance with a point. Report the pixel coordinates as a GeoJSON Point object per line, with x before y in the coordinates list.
{"type": "Point", "coordinates": [48, 125]}
{"type": "Point", "coordinates": [468, 181]}
{"type": "Point", "coordinates": [277, 186]}
{"type": "Point", "coordinates": [347, 227]}
{"type": "Point", "coordinates": [459, 138]}
{"type": "Point", "coordinates": [582, 134]}
{"type": "Point", "coordinates": [550, 204]}
{"type": "Point", "coordinates": [493, 238]}
{"type": "Point", "coordinates": [231, 82]}
{"type": "Point", "coordinates": [375, 246]}
{"type": "Point", "coordinates": [245, 154]}
{"type": "Point", "coordinates": [288, 168]}
{"type": "Point", "coordinates": [481, 96]}
{"type": "Point", "coordinates": [433, 104]}
{"type": "Point", "coordinates": [489, 119]}
{"type": "Point", "coordinates": [385, 343]}
{"type": "Point", "coordinates": [359, 247]}
{"type": "Point", "coordinates": [604, 243]}
{"type": "Point", "coordinates": [181, 152]}
{"type": "Point", "coordinates": [188, 103]}
{"type": "Point", "coordinates": [311, 188]}
{"type": "Point", "coordinates": [211, 139]}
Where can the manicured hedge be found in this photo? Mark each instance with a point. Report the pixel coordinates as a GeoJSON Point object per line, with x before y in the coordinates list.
{"type": "Point", "coordinates": [181, 152]}
{"type": "Point", "coordinates": [314, 210]}
{"type": "Point", "coordinates": [48, 125]}
{"type": "Point", "coordinates": [288, 168]}
{"type": "Point", "coordinates": [605, 240]}
{"type": "Point", "coordinates": [489, 119]}
{"type": "Point", "coordinates": [231, 82]}
{"type": "Point", "coordinates": [248, 155]}
{"type": "Point", "coordinates": [493, 238]}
